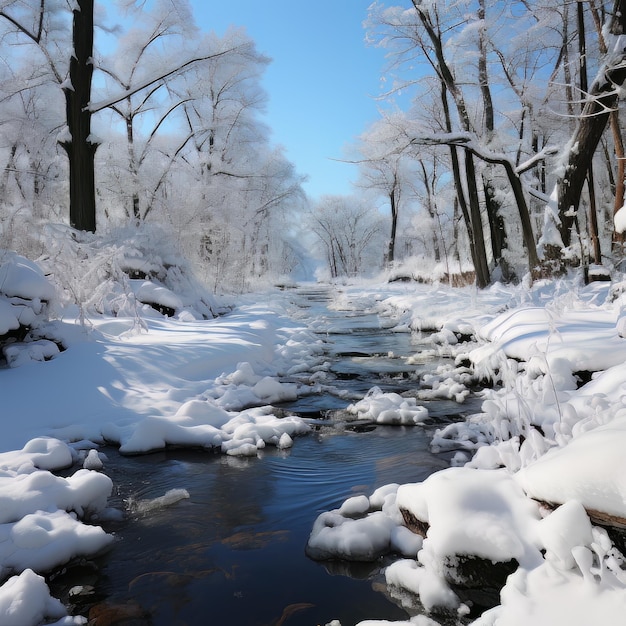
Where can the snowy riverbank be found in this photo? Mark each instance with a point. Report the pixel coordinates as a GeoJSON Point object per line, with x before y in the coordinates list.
{"type": "Point", "coordinates": [552, 428]}
{"type": "Point", "coordinates": [550, 433]}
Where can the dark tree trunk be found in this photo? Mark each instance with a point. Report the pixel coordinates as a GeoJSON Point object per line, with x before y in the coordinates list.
{"type": "Point", "coordinates": [391, 252]}
{"type": "Point", "coordinates": [80, 147]}
{"type": "Point", "coordinates": [603, 98]}
{"type": "Point", "coordinates": [496, 222]}
{"type": "Point", "coordinates": [469, 206]}
{"type": "Point", "coordinates": [480, 263]}
{"type": "Point", "coordinates": [593, 211]}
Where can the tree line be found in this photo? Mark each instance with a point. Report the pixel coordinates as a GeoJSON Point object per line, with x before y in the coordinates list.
{"type": "Point", "coordinates": [501, 141]}
{"type": "Point", "coordinates": [499, 145]}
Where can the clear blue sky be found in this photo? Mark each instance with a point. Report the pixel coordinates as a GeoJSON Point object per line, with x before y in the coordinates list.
{"type": "Point", "coordinates": [320, 82]}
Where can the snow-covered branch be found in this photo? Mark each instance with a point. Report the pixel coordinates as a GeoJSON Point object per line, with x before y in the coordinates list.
{"type": "Point", "coordinates": [95, 107]}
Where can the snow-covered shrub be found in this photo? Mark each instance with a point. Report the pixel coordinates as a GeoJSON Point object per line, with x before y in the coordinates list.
{"type": "Point", "coordinates": [129, 271]}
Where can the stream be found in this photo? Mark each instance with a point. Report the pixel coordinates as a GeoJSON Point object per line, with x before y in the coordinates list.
{"type": "Point", "coordinates": [232, 554]}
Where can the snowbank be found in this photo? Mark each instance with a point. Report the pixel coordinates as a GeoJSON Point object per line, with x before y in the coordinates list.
{"type": "Point", "coordinates": [144, 383]}
{"type": "Point", "coordinates": [553, 428]}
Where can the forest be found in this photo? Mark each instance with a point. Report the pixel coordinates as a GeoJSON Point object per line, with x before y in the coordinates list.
{"type": "Point", "coordinates": [498, 153]}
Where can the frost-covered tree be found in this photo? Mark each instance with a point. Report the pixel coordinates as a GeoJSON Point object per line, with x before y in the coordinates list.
{"type": "Point", "coordinates": [141, 52]}
{"type": "Point", "coordinates": [387, 168]}
{"type": "Point", "coordinates": [42, 24]}
{"type": "Point", "coordinates": [35, 38]}
{"type": "Point", "coordinates": [497, 85]}
{"type": "Point", "coordinates": [32, 172]}
{"type": "Point", "coordinates": [348, 229]}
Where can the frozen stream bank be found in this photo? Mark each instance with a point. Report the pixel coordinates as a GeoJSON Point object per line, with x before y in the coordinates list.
{"type": "Point", "coordinates": [233, 551]}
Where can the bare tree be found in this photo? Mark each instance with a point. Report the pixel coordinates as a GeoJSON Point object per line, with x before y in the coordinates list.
{"type": "Point", "coordinates": [346, 228]}
{"type": "Point", "coordinates": [386, 168]}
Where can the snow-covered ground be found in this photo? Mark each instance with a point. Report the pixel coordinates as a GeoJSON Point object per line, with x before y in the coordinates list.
{"type": "Point", "coordinates": [542, 435]}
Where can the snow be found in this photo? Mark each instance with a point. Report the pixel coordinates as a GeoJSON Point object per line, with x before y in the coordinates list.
{"type": "Point", "coordinates": [22, 278]}
{"type": "Point", "coordinates": [25, 599]}
{"type": "Point", "coordinates": [552, 428]}
{"type": "Point", "coordinates": [619, 219]}
{"type": "Point", "coordinates": [150, 293]}
{"type": "Point", "coordinates": [497, 516]}
{"type": "Point", "coordinates": [388, 408]}
{"type": "Point", "coordinates": [584, 470]}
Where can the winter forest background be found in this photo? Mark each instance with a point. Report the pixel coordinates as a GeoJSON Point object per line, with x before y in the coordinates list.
{"type": "Point", "coordinates": [498, 152]}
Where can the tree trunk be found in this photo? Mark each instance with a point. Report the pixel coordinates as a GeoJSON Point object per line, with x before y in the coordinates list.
{"type": "Point", "coordinates": [602, 99]}
{"type": "Point", "coordinates": [496, 223]}
{"type": "Point", "coordinates": [80, 147]}
{"type": "Point", "coordinates": [524, 214]}
{"type": "Point", "coordinates": [470, 206]}
{"type": "Point", "coordinates": [394, 227]}
{"type": "Point", "coordinates": [593, 211]}
{"type": "Point", "coordinates": [618, 238]}
{"type": "Point", "coordinates": [480, 263]}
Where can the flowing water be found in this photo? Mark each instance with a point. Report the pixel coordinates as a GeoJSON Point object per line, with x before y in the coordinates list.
{"type": "Point", "coordinates": [232, 554]}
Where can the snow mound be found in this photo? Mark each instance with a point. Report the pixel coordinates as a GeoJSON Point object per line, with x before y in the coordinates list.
{"type": "Point", "coordinates": [83, 492]}
{"type": "Point", "coordinates": [362, 529]}
{"type": "Point", "coordinates": [24, 296]}
{"type": "Point", "coordinates": [21, 278]}
{"type": "Point", "coordinates": [26, 601]}
{"type": "Point", "coordinates": [204, 424]}
{"type": "Point", "coordinates": [590, 469]}
{"type": "Point", "coordinates": [482, 513]}
{"type": "Point", "coordinates": [389, 408]}
{"type": "Point", "coordinates": [42, 541]}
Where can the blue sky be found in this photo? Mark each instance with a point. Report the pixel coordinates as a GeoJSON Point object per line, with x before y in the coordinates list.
{"type": "Point", "coordinates": [321, 81]}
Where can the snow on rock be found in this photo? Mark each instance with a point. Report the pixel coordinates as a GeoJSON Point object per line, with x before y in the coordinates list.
{"type": "Point", "coordinates": [18, 354]}
{"type": "Point", "coordinates": [481, 513]}
{"type": "Point", "coordinates": [591, 469]}
{"type": "Point", "coordinates": [45, 453]}
{"type": "Point", "coordinates": [388, 408]}
{"type": "Point", "coordinates": [244, 387]}
{"type": "Point", "coordinates": [427, 584]}
{"type": "Point", "coordinates": [362, 529]}
{"type": "Point", "coordinates": [337, 537]}
{"type": "Point", "coordinates": [26, 601]}
{"type": "Point", "coordinates": [24, 293]}
{"type": "Point", "coordinates": [151, 293]}
{"type": "Point", "coordinates": [83, 492]}
{"type": "Point", "coordinates": [256, 428]}
{"type": "Point", "coordinates": [270, 390]}
{"type": "Point", "coordinates": [93, 461]}
{"type": "Point", "coordinates": [42, 541]}
{"type": "Point", "coordinates": [22, 278]}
